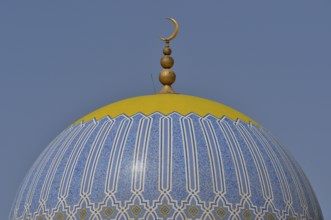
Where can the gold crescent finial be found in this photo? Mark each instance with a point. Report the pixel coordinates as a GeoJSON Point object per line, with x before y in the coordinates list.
{"type": "Point", "coordinates": [167, 76]}
{"type": "Point", "coordinates": [174, 34]}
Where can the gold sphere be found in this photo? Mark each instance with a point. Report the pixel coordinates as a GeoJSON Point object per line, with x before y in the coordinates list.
{"type": "Point", "coordinates": [167, 62]}
{"type": "Point", "coordinates": [167, 77]}
{"type": "Point", "coordinates": [167, 51]}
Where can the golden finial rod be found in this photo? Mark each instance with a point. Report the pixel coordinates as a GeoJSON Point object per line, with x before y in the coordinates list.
{"type": "Point", "coordinates": [167, 76]}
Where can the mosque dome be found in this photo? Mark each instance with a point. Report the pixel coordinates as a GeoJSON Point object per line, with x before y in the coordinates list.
{"type": "Point", "coordinates": [165, 156]}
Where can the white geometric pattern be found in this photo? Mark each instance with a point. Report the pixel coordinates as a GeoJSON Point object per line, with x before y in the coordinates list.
{"type": "Point", "coordinates": [165, 167]}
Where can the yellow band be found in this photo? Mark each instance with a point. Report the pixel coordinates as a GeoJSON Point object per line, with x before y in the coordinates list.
{"type": "Point", "coordinates": [166, 104]}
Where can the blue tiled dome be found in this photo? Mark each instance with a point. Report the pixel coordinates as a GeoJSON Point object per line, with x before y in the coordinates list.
{"type": "Point", "coordinates": [166, 157]}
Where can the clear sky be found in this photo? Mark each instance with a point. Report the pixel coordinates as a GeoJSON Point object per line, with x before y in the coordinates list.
{"type": "Point", "coordinates": [59, 60]}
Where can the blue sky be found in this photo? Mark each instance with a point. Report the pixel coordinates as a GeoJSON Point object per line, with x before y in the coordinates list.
{"type": "Point", "coordinates": [268, 59]}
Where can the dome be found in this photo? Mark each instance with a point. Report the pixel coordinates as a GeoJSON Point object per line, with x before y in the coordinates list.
{"type": "Point", "coordinates": [165, 156]}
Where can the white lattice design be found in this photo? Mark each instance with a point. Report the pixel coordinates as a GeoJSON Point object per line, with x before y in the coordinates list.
{"type": "Point", "coordinates": [165, 167]}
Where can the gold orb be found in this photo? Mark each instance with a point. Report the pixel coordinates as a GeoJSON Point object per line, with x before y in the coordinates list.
{"type": "Point", "coordinates": [167, 62]}
{"type": "Point", "coordinates": [167, 51]}
{"type": "Point", "coordinates": [167, 76]}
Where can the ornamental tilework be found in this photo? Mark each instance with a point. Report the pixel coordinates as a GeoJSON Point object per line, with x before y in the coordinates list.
{"type": "Point", "coordinates": [165, 167]}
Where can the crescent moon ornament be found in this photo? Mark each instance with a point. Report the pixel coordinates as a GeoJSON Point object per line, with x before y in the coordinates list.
{"type": "Point", "coordinates": [174, 34]}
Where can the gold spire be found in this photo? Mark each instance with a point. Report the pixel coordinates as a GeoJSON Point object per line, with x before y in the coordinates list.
{"type": "Point", "coordinates": [167, 76]}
